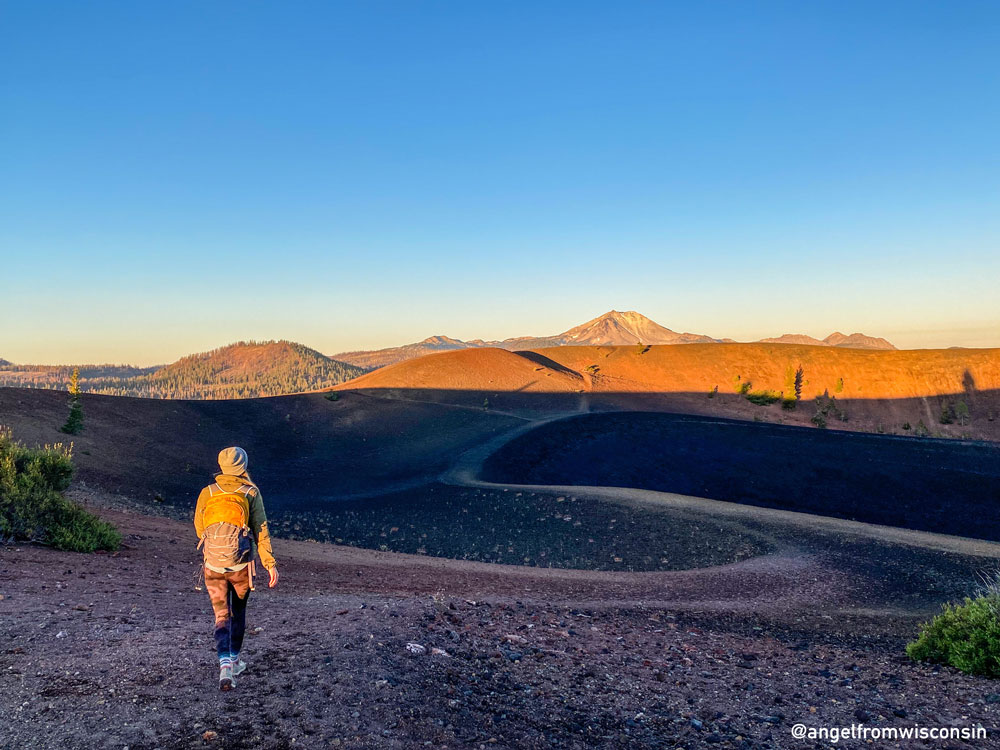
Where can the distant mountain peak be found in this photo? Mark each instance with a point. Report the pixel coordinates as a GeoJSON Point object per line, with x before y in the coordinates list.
{"type": "Point", "coordinates": [445, 341]}
{"type": "Point", "coordinates": [615, 328]}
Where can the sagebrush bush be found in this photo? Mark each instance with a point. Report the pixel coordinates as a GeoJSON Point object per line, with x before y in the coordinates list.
{"type": "Point", "coordinates": [762, 398]}
{"type": "Point", "coordinates": [965, 636]}
{"type": "Point", "coordinates": [32, 506]}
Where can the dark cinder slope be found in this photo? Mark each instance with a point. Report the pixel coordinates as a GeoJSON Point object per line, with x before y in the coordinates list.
{"type": "Point", "coordinates": [302, 447]}
{"type": "Point", "coordinates": [943, 486]}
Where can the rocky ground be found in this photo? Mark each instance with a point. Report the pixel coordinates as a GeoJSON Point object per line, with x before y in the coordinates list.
{"type": "Point", "coordinates": [114, 651]}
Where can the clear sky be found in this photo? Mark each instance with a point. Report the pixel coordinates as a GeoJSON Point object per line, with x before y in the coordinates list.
{"type": "Point", "coordinates": [175, 176]}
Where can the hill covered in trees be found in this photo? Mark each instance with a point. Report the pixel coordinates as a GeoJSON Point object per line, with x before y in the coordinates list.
{"type": "Point", "coordinates": [246, 369]}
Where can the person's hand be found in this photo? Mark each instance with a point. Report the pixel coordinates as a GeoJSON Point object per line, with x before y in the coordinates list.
{"type": "Point", "coordinates": [272, 581]}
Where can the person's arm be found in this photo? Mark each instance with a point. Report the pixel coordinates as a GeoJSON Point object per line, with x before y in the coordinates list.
{"type": "Point", "coordinates": [258, 527]}
{"type": "Point", "coordinates": [199, 514]}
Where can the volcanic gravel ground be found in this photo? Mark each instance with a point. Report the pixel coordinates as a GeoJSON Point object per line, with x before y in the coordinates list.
{"type": "Point", "coordinates": [108, 651]}
{"type": "Point", "coordinates": [529, 528]}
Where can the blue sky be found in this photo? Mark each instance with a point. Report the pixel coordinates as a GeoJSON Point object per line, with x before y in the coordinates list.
{"type": "Point", "coordinates": [177, 176]}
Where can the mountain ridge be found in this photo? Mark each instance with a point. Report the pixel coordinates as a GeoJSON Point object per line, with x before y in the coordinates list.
{"type": "Point", "coordinates": [613, 328]}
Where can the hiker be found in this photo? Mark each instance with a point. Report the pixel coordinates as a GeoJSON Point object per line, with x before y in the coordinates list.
{"type": "Point", "coordinates": [231, 526]}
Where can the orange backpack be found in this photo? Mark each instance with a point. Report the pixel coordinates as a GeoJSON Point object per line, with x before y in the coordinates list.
{"type": "Point", "coordinates": [226, 542]}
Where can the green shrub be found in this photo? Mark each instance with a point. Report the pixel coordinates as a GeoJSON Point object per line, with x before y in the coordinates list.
{"type": "Point", "coordinates": [826, 406]}
{"type": "Point", "coordinates": [32, 507]}
{"type": "Point", "coordinates": [714, 392]}
{"type": "Point", "coordinates": [332, 396]}
{"type": "Point", "coordinates": [947, 414]}
{"type": "Point", "coordinates": [762, 398]}
{"type": "Point", "coordinates": [965, 636]}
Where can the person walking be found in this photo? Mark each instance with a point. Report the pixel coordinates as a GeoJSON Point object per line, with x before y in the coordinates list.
{"type": "Point", "coordinates": [231, 525]}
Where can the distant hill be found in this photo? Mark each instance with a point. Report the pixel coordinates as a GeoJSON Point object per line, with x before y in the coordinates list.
{"type": "Point", "coordinates": [243, 370]}
{"type": "Point", "coordinates": [794, 338]}
{"type": "Point", "coordinates": [854, 341]}
{"type": "Point", "coordinates": [57, 376]}
{"type": "Point", "coordinates": [857, 341]}
{"type": "Point", "coordinates": [382, 357]}
{"type": "Point", "coordinates": [614, 328]}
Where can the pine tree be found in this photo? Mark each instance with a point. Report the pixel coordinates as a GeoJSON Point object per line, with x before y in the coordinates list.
{"type": "Point", "coordinates": [74, 423]}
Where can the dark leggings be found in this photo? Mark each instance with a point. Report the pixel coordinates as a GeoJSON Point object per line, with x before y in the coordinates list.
{"type": "Point", "coordinates": [229, 593]}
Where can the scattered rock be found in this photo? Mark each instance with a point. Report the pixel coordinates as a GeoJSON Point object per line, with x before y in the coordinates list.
{"type": "Point", "coordinates": [416, 648]}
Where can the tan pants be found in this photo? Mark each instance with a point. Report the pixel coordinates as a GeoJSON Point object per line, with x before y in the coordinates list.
{"type": "Point", "coordinates": [229, 593]}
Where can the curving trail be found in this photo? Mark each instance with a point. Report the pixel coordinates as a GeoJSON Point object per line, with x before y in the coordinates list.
{"type": "Point", "coordinates": [820, 563]}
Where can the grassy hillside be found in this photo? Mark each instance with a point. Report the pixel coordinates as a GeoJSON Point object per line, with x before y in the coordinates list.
{"type": "Point", "coordinates": [242, 370]}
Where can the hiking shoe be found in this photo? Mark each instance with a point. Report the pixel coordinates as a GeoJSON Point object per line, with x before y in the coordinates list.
{"type": "Point", "coordinates": [239, 666]}
{"type": "Point", "coordinates": [226, 679]}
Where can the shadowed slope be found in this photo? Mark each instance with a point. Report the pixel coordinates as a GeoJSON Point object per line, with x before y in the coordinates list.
{"type": "Point", "coordinates": [944, 486]}
{"type": "Point", "coordinates": [307, 448]}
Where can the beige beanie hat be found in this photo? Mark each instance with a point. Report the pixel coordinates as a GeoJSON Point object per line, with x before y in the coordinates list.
{"type": "Point", "coordinates": [233, 461]}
